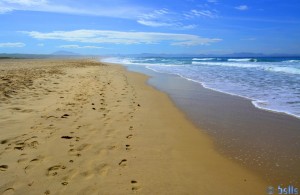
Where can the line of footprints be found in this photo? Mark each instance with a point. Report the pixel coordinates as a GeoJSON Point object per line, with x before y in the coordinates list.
{"type": "Point", "coordinates": [123, 163]}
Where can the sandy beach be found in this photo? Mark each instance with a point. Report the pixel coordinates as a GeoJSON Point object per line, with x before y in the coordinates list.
{"type": "Point", "coordinates": [85, 127]}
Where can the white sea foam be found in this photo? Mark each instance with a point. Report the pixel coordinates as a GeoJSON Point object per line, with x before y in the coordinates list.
{"type": "Point", "coordinates": [262, 66]}
{"type": "Point", "coordinates": [241, 65]}
{"type": "Point", "coordinates": [288, 70]}
{"type": "Point", "coordinates": [203, 59]}
{"type": "Point", "coordinates": [264, 106]}
{"type": "Point", "coordinates": [117, 60]}
{"type": "Point", "coordinates": [292, 61]}
{"type": "Point", "coordinates": [242, 60]}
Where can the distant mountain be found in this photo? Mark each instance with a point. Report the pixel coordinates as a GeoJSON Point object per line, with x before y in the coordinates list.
{"type": "Point", "coordinates": [57, 54]}
{"type": "Point", "coordinates": [64, 53]}
{"type": "Point", "coordinates": [22, 56]}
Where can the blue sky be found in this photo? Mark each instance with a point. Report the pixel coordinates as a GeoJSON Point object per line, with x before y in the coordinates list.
{"type": "Point", "coordinates": [156, 26]}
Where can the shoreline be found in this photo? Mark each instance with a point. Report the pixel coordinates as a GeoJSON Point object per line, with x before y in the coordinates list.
{"type": "Point", "coordinates": [253, 101]}
{"type": "Point", "coordinates": [252, 137]}
{"type": "Point", "coordinates": [79, 126]}
{"type": "Point", "coordinates": [261, 101]}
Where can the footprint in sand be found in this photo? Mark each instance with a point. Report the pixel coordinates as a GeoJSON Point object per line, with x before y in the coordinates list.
{"type": "Point", "coordinates": [129, 136]}
{"type": "Point", "coordinates": [66, 137]}
{"type": "Point", "coordinates": [32, 163]}
{"type": "Point", "coordinates": [123, 163]}
{"type": "Point", "coordinates": [65, 116]}
{"type": "Point", "coordinates": [74, 152]}
{"type": "Point", "coordinates": [135, 186]}
{"type": "Point", "coordinates": [33, 144]}
{"type": "Point", "coordinates": [30, 184]}
{"type": "Point", "coordinates": [52, 171]}
{"type": "Point", "coordinates": [3, 167]}
{"type": "Point", "coordinates": [4, 141]}
{"type": "Point", "coordinates": [64, 183]}
{"type": "Point", "coordinates": [9, 191]}
{"type": "Point", "coordinates": [127, 146]}
{"type": "Point", "coordinates": [35, 160]}
{"type": "Point", "coordinates": [19, 148]}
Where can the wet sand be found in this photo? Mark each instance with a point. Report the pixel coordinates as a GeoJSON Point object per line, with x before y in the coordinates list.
{"type": "Point", "coordinates": [84, 127]}
{"type": "Point", "coordinates": [263, 141]}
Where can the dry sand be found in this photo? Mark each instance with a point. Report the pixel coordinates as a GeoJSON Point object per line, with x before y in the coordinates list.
{"type": "Point", "coordinates": [83, 127]}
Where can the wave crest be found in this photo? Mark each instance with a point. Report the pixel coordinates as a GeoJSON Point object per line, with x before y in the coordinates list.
{"type": "Point", "coordinates": [242, 60]}
{"type": "Point", "coordinates": [203, 59]}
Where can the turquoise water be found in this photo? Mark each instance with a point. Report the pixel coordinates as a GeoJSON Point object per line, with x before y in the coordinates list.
{"type": "Point", "coordinates": [271, 83]}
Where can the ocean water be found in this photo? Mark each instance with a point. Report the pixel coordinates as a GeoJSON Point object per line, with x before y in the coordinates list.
{"type": "Point", "coordinates": [270, 83]}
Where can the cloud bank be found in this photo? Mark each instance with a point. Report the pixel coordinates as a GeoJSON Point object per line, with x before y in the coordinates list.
{"type": "Point", "coordinates": [80, 47]}
{"type": "Point", "coordinates": [121, 37]}
{"type": "Point", "coordinates": [18, 44]}
{"type": "Point", "coordinates": [119, 10]}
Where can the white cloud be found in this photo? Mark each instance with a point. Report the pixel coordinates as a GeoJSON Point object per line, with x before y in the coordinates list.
{"type": "Point", "coordinates": [41, 45]}
{"type": "Point", "coordinates": [242, 7]}
{"type": "Point", "coordinates": [165, 18]}
{"type": "Point", "coordinates": [156, 18]}
{"type": "Point", "coordinates": [118, 9]}
{"type": "Point", "coordinates": [11, 5]}
{"type": "Point", "coordinates": [26, 2]}
{"type": "Point", "coordinates": [201, 13]}
{"type": "Point", "coordinates": [155, 14]}
{"type": "Point", "coordinates": [17, 44]}
{"type": "Point", "coordinates": [212, 1]}
{"type": "Point", "coordinates": [153, 23]}
{"type": "Point", "coordinates": [106, 9]}
{"type": "Point", "coordinates": [120, 37]}
{"type": "Point", "coordinates": [4, 10]}
{"type": "Point", "coordinates": [79, 47]}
